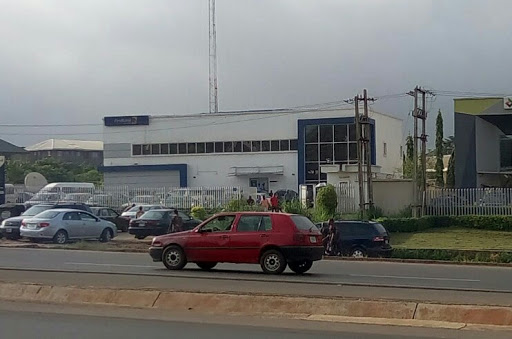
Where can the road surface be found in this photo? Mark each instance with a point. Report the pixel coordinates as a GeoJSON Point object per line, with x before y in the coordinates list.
{"type": "Point", "coordinates": [323, 272]}
{"type": "Point", "coordinates": [28, 321]}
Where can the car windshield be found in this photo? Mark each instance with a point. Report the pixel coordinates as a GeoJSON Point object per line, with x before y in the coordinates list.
{"type": "Point", "coordinates": [136, 208]}
{"type": "Point", "coordinates": [380, 229]}
{"type": "Point", "coordinates": [303, 223]}
{"type": "Point", "coordinates": [34, 210]}
{"type": "Point", "coordinates": [49, 214]}
{"type": "Point", "coordinates": [153, 215]}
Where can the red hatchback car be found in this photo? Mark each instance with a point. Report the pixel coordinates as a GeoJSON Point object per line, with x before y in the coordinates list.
{"type": "Point", "coordinates": [273, 240]}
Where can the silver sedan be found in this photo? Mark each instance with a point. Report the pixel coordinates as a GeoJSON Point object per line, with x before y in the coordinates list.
{"type": "Point", "coordinates": [61, 225]}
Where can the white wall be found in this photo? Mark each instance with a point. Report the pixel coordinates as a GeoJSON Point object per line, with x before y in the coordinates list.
{"type": "Point", "coordinates": [213, 169]}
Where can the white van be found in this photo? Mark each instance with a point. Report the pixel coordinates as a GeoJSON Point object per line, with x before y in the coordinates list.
{"type": "Point", "coordinates": [57, 191]}
{"type": "Point", "coordinates": [10, 194]}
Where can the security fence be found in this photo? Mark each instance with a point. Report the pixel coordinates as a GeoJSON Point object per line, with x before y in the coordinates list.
{"type": "Point", "coordinates": [347, 198]}
{"type": "Point", "coordinates": [468, 201]}
{"type": "Point", "coordinates": [119, 197]}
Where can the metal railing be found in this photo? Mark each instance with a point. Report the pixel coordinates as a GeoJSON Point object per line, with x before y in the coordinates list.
{"type": "Point", "coordinates": [347, 198]}
{"type": "Point", "coordinates": [119, 197]}
{"type": "Point", "coordinates": [468, 201]}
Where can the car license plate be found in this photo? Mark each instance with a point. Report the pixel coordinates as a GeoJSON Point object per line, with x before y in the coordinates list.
{"type": "Point", "coordinates": [8, 230]}
{"type": "Point", "coordinates": [312, 240]}
{"type": "Point", "coordinates": [31, 226]}
{"type": "Point", "coordinates": [142, 224]}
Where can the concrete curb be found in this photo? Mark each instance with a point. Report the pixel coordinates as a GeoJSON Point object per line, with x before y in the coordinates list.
{"type": "Point", "coordinates": [319, 309]}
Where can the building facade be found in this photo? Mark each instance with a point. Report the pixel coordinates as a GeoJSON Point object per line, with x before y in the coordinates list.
{"type": "Point", "coordinates": [262, 150]}
{"type": "Point", "coordinates": [483, 142]}
{"type": "Point", "coordinates": [74, 151]}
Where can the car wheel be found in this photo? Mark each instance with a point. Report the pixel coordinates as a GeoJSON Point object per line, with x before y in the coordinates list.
{"type": "Point", "coordinates": [300, 267]}
{"type": "Point", "coordinates": [206, 265]}
{"type": "Point", "coordinates": [358, 252]}
{"type": "Point", "coordinates": [61, 237]}
{"type": "Point", "coordinates": [140, 237]}
{"type": "Point", "coordinates": [273, 262]}
{"type": "Point", "coordinates": [106, 236]}
{"type": "Point", "coordinates": [174, 258]}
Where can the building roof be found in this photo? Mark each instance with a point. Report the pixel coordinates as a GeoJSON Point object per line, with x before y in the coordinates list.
{"type": "Point", "coordinates": [8, 148]}
{"type": "Point", "coordinates": [66, 145]}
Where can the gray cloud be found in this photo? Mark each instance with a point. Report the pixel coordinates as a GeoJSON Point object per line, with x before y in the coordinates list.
{"type": "Point", "coordinates": [76, 61]}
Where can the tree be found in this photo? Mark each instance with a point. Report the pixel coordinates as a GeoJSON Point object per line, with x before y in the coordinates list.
{"type": "Point", "coordinates": [408, 164]}
{"type": "Point", "coordinates": [327, 200]}
{"type": "Point", "coordinates": [448, 145]}
{"type": "Point", "coordinates": [450, 177]}
{"type": "Point", "coordinates": [439, 151]}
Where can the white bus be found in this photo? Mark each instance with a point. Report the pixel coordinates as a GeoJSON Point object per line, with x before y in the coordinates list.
{"type": "Point", "coordinates": [57, 191]}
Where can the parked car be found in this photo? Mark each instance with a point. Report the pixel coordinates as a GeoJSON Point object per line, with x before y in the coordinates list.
{"type": "Point", "coordinates": [157, 221]}
{"type": "Point", "coordinates": [146, 200]}
{"type": "Point", "coordinates": [361, 239]}
{"type": "Point", "coordinates": [107, 213]}
{"type": "Point", "coordinates": [273, 240]}
{"type": "Point", "coordinates": [10, 210]}
{"type": "Point", "coordinates": [132, 212]}
{"type": "Point", "coordinates": [62, 225]}
{"type": "Point", "coordinates": [10, 228]}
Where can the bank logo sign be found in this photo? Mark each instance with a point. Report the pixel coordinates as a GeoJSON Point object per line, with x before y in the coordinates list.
{"type": "Point", "coordinates": [507, 103]}
{"type": "Point", "coordinates": [127, 120]}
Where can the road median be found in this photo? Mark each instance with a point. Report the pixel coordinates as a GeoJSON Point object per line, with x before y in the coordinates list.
{"type": "Point", "coordinates": [349, 310]}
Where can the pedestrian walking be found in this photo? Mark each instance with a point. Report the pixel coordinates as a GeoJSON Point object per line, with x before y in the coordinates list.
{"type": "Point", "coordinates": [250, 201]}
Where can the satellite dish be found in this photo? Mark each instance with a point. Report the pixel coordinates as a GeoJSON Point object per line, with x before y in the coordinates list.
{"type": "Point", "coordinates": [34, 181]}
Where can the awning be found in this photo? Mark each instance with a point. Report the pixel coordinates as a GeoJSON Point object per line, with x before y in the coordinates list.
{"type": "Point", "coordinates": [237, 171]}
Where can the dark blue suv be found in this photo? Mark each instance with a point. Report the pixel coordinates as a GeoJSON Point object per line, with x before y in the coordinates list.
{"type": "Point", "coordinates": [361, 238]}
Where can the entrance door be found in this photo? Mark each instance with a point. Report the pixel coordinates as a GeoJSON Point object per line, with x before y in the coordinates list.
{"type": "Point", "coordinates": [252, 232]}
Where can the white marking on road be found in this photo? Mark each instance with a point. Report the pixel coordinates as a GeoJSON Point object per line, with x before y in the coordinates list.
{"type": "Point", "coordinates": [412, 278]}
{"type": "Point", "coordinates": [114, 265]}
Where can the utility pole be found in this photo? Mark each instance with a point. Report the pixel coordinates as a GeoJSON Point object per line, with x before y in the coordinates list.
{"type": "Point", "coordinates": [364, 153]}
{"type": "Point", "coordinates": [368, 151]}
{"type": "Point", "coordinates": [419, 188]}
{"type": "Point", "coordinates": [360, 177]}
{"type": "Point", "coordinates": [214, 102]}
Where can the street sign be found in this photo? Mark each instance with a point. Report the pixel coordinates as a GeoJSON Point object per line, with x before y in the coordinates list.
{"type": "Point", "coordinates": [507, 103]}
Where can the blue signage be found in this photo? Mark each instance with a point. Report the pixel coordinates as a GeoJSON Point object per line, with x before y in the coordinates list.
{"type": "Point", "coordinates": [127, 120]}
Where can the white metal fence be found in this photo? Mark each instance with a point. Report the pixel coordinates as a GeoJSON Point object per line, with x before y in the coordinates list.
{"type": "Point", "coordinates": [470, 201]}
{"type": "Point", "coordinates": [118, 197]}
{"type": "Point", "coordinates": [347, 198]}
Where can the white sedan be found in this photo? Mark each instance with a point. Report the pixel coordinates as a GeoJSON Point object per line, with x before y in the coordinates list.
{"type": "Point", "coordinates": [62, 225]}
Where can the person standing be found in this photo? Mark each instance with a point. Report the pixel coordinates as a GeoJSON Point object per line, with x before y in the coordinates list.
{"type": "Point", "coordinates": [333, 238]}
{"type": "Point", "coordinates": [176, 223]}
{"type": "Point", "coordinates": [265, 203]}
{"type": "Point", "coordinates": [250, 201]}
{"type": "Point", "coordinates": [139, 213]}
{"type": "Point", "coordinates": [274, 202]}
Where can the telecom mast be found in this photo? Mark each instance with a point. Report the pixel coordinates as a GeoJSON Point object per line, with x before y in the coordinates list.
{"type": "Point", "coordinates": [214, 102]}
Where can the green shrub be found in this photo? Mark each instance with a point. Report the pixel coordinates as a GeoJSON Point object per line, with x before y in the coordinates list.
{"type": "Point", "coordinates": [492, 223]}
{"type": "Point", "coordinates": [241, 205]}
{"type": "Point", "coordinates": [327, 201]}
{"type": "Point", "coordinates": [296, 207]}
{"type": "Point", "coordinates": [198, 212]}
{"type": "Point", "coordinates": [453, 255]}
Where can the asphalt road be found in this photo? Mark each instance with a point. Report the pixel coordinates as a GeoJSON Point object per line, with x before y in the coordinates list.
{"type": "Point", "coordinates": [24, 321]}
{"type": "Point", "coordinates": [323, 272]}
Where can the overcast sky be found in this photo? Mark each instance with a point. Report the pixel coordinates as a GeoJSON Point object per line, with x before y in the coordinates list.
{"type": "Point", "coordinates": [75, 61]}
